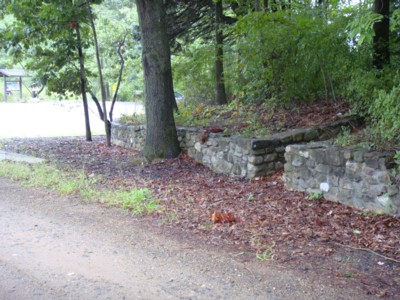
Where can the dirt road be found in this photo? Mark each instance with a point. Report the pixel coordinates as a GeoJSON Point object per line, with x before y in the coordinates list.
{"type": "Point", "coordinates": [55, 247]}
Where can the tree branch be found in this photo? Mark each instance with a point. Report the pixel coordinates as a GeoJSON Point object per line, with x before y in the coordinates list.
{"type": "Point", "coordinates": [121, 69]}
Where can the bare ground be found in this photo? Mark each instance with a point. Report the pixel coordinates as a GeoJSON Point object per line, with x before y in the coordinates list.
{"type": "Point", "coordinates": [61, 248]}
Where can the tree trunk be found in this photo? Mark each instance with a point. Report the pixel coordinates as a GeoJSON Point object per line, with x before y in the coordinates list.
{"type": "Point", "coordinates": [100, 110]}
{"type": "Point", "coordinates": [161, 137]}
{"type": "Point", "coordinates": [220, 97]}
{"type": "Point", "coordinates": [83, 84]}
{"type": "Point", "coordinates": [266, 5]}
{"type": "Point", "coordinates": [102, 86]}
{"type": "Point", "coordinates": [121, 70]}
{"type": "Point", "coordinates": [381, 54]}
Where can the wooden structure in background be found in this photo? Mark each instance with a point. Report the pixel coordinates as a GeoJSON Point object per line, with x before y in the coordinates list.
{"type": "Point", "coordinates": [12, 81]}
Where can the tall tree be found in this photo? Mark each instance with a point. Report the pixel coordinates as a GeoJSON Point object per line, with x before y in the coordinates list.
{"type": "Point", "coordinates": [99, 68]}
{"type": "Point", "coordinates": [43, 35]}
{"type": "Point", "coordinates": [381, 54]}
{"type": "Point", "coordinates": [220, 97]}
{"type": "Point", "coordinates": [82, 74]}
{"type": "Point", "coordinates": [161, 137]}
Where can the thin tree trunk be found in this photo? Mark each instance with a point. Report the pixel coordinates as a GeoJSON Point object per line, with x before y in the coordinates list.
{"type": "Point", "coordinates": [106, 83]}
{"type": "Point", "coordinates": [161, 137]}
{"type": "Point", "coordinates": [107, 87]}
{"type": "Point", "coordinates": [121, 69]}
{"type": "Point", "coordinates": [102, 86]}
{"type": "Point", "coordinates": [381, 54]}
{"type": "Point", "coordinates": [220, 97]}
{"type": "Point", "coordinates": [36, 94]}
{"type": "Point", "coordinates": [99, 109]}
{"type": "Point", "coordinates": [266, 5]}
{"type": "Point", "coordinates": [83, 84]}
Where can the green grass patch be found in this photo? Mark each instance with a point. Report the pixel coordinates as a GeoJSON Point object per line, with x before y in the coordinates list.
{"type": "Point", "coordinates": [137, 201]}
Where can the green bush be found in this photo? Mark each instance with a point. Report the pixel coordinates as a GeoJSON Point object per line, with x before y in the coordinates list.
{"type": "Point", "coordinates": [292, 56]}
{"type": "Point", "coordinates": [385, 112]}
{"type": "Point", "coordinates": [365, 85]}
{"type": "Point", "coordinates": [126, 93]}
{"type": "Point", "coordinates": [193, 72]}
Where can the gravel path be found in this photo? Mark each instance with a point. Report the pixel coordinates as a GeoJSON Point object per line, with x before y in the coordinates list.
{"type": "Point", "coordinates": [60, 248]}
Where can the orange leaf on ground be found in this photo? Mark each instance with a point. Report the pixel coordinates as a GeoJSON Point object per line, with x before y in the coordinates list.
{"type": "Point", "coordinates": [218, 217]}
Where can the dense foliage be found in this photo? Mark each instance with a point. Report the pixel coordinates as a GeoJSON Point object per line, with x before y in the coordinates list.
{"type": "Point", "coordinates": [47, 44]}
{"type": "Point", "coordinates": [282, 53]}
{"type": "Point", "coordinates": [304, 52]}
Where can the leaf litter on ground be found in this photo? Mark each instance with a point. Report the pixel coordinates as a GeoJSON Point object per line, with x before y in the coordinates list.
{"type": "Point", "coordinates": [318, 237]}
{"type": "Point", "coordinates": [249, 215]}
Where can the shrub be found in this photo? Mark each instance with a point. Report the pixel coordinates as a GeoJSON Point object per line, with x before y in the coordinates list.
{"type": "Point", "coordinates": [292, 56]}
{"type": "Point", "coordinates": [385, 112]}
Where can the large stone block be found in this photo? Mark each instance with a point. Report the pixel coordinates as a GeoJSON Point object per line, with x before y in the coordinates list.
{"type": "Point", "coordinates": [304, 153]}
{"type": "Point", "coordinates": [347, 154]}
{"type": "Point", "coordinates": [243, 143]}
{"type": "Point", "coordinates": [298, 161]}
{"type": "Point", "coordinates": [310, 164]}
{"type": "Point", "coordinates": [346, 184]}
{"type": "Point", "coordinates": [332, 194]}
{"type": "Point", "coordinates": [324, 169]}
{"type": "Point", "coordinates": [198, 156]}
{"type": "Point", "coordinates": [345, 196]}
{"type": "Point", "coordinates": [377, 190]}
{"type": "Point", "coordinates": [257, 152]}
{"type": "Point", "coordinates": [333, 180]}
{"type": "Point", "coordinates": [236, 170]}
{"type": "Point", "coordinates": [280, 149]}
{"type": "Point", "coordinates": [367, 171]}
{"type": "Point", "coordinates": [270, 157]}
{"type": "Point", "coordinates": [310, 134]}
{"type": "Point", "coordinates": [220, 155]}
{"type": "Point", "coordinates": [303, 184]}
{"type": "Point", "coordinates": [353, 170]}
{"type": "Point", "coordinates": [238, 151]}
{"type": "Point", "coordinates": [338, 171]}
{"type": "Point", "coordinates": [318, 156]}
{"type": "Point", "coordinates": [256, 160]}
{"type": "Point", "coordinates": [257, 144]}
{"type": "Point", "coordinates": [334, 158]}
{"type": "Point", "coordinates": [278, 165]}
{"type": "Point", "coordinates": [206, 160]}
{"type": "Point", "coordinates": [359, 156]}
{"type": "Point", "coordinates": [289, 156]}
{"type": "Point", "coordinates": [285, 137]}
{"type": "Point", "coordinates": [319, 177]}
{"type": "Point", "coordinates": [252, 167]}
{"type": "Point", "coordinates": [383, 177]}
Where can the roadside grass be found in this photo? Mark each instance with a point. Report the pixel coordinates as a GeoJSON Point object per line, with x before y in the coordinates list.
{"type": "Point", "coordinates": [138, 202]}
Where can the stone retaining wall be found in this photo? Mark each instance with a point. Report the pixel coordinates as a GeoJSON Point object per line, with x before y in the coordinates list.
{"type": "Point", "coordinates": [232, 155]}
{"type": "Point", "coordinates": [352, 176]}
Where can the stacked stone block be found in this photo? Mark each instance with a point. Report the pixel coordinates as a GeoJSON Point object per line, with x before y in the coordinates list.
{"type": "Point", "coordinates": [232, 155]}
{"type": "Point", "coordinates": [353, 176]}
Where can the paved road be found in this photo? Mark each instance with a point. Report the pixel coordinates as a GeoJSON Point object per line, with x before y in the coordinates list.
{"type": "Point", "coordinates": [59, 118]}
{"type": "Point", "coordinates": [59, 248]}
